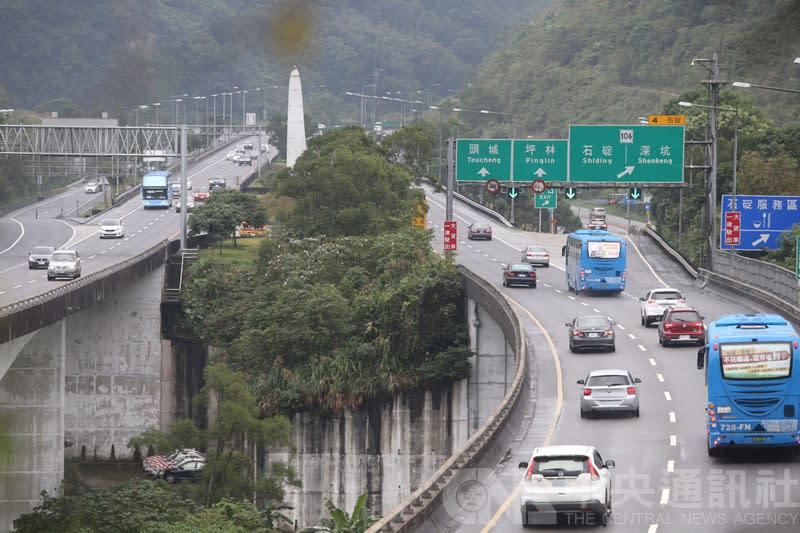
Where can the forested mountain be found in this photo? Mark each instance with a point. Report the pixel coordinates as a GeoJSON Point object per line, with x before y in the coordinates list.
{"type": "Point", "coordinates": [611, 61]}
{"type": "Point", "coordinates": [118, 54]}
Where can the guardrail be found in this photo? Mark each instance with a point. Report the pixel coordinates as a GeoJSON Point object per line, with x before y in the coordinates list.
{"type": "Point", "coordinates": [415, 509]}
{"type": "Point", "coordinates": [675, 254]}
{"type": "Point", "coordinates": [772, 285]}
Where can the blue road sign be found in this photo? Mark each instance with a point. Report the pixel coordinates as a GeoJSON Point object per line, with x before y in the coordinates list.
{"type": "Point", "coordinates": [764, 220]}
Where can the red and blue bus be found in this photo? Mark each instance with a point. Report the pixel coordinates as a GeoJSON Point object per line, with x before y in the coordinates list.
{"type": "Point", "coordinates": [752, 382]}
{"type": "Point", "coordinates": [156, 189]}
{"type": "Point", "coordinates": [595, 260]}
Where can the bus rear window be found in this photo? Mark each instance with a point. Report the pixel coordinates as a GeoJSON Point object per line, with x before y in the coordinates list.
{"type": "Point", "coordinates": [603, 250]}
{"type": "Point", "coordinates": [766, 360]}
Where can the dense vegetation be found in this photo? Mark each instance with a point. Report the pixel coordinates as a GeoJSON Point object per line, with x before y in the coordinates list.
{"type": "Point", "coordinates": [130, 53]}
{"type": "Point", "coordinates": [346, 301]}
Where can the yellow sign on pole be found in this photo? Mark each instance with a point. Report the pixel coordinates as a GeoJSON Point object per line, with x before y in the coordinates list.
{"type": "Point", "coordinates": [667, 120]}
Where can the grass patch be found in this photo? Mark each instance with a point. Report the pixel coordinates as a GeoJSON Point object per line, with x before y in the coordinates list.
{"type": "Point", "coordinates": [246, 249]}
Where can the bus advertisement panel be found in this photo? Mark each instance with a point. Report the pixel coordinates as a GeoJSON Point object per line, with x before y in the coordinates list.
{"type": "Point", "coordinates": [753, 393]}
{"type": "Point", "coordinates": [157, 190]}
{"type": "Point", "coordinates": [595, 260]}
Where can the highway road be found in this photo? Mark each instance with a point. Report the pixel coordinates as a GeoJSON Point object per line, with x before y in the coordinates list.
{"type": "Point", "coordinates": [664, 480]}
{"type": "Point", "coordinates": [42, 224]}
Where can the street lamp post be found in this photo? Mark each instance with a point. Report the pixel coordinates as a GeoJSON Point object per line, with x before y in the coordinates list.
{"type": "Point", "coordinates": [196, 112]}
{"type": "Point", "coordinates": [244, 107]}
{"type": "Point", "coordinates": [177, 101]}
{"type": "Point", "coordinates": [156, 105]}
{"type": "Point", "coordinates": [137, 113]}
{"type": "Point", "coordinates": [735, 138]}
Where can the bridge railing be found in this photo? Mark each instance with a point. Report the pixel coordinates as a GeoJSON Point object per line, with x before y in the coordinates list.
{"type": "Point", "coordinates": [26, 316]}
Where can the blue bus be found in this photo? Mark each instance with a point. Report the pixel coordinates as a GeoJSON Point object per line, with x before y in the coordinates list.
{"type": "Point", "coordinates": [595, 261]}
{"type": "Point", "coordinates": [751, 384]}
{"type": "Point", "coordinates": [156, 189]}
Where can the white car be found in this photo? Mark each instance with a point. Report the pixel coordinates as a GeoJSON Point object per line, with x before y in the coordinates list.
{"type": "Point", "coordinates": [93, 187]}
{"type": "Point", "coordinates": [189, 205]}
{"type": "Point", "coordinates": [570, 481]}
{"type": "Point", "coordinates": [111, 228]}
{"type": "Point", "coordinates": [64, 264]}
{"type": "Point", "coordinates": [230, 155]}
{"type": "Point", "coordinates": [656, 301]}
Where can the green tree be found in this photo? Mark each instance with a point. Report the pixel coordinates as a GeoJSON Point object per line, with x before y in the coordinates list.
{"type": "Point", "coordinates": [356, 522]}
{"type": "Point", "coordinates": [223, 211]}
{"type": "Point", "coordinates": [413, 146]}
{"type": "Point", "coordinates": [344, 185]}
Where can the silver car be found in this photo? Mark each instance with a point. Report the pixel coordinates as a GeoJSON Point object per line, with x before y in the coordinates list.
{"type": "Point", "coordinates": [111, 228]}
{"type": "Point", "coordinates": [609, 391]}
{"type": "Point", "coordinates": [64, 264]}
{"type": "Point", "coordinates": [39, 256]}
{"type": "Point", "coordinates": [536, 255]}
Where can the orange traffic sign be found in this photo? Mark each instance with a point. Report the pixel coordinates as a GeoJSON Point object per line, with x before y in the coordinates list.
{"type": "Point", "coordinates": [669, 120]}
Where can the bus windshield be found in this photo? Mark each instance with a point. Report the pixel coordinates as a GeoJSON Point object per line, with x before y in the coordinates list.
{"type": "Point", "coordinates": [768, 360]}
{"type": "Point", "coordinates": [155, 193]}
{"type": "Point", "coordinates": [603, 249]}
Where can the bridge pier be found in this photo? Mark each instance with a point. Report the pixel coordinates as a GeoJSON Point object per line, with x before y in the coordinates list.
{"type": "Point", "coordinates": [80, 388]}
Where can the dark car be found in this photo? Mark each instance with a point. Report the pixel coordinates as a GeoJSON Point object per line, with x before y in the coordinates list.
{"type": "Point", "coordinates": [681, 324]}
{"type": "Point", "coordinates": [39, 256]}
{"type": "Point", "coordinates": [519, 274]}
{"type": "Point", "coordinates": [190, 469]}
{"type": "Point", "coordinates": [479, 231]}
{"type": "Point", "coordinates": [594, 332]}
{"type": "Point", "coordinates": [215, 183]}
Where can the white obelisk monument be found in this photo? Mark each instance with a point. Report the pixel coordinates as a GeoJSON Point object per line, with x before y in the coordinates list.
{"type": "Point", "coordinates": [295, 124]}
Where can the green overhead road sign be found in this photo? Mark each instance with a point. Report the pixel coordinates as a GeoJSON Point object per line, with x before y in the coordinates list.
{"type": "Point", "coordinates": [571, 193]}
{"type": "Point", "coordinates": [626, 154]}
{"type": "Point", "coordinates": [540, 159]}
{"type": "Point", "coordinates": [634, 193]}
{"type": "Point", "coordinates": [483, 159]}
{"type": "Point", "coordinates": [546, 200]}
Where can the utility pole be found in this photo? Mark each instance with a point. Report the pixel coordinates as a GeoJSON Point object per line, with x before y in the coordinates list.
{"type": "Point", "coordinates": [711, 174]}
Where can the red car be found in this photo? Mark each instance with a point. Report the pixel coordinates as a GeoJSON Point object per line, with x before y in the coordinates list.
{"type": "Point", "coordinates": [201, 196]}
{"type": "Point", "coordinates": [681, 324]}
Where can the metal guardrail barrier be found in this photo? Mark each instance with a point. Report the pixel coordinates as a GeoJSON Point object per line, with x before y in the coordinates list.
{"type": "Point", "coordinates": [675, 254]}
{"type": "Point", "coordinates": [415, 508]}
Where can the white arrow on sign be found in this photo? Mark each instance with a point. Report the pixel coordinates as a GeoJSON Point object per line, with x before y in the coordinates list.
{"type": "Point", "coordinates": [483, 172]}
{"type": "Point", "coordinates": [762, 238]}
{"type": "Point", "coordinates": [540, 172]}
{"type": "Point", "coordinates": [628, 170]}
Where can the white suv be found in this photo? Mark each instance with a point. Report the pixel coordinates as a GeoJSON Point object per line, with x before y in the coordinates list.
{"type": "Point", "coordinates": [656, 301]}
{"type": "Point", "coordinates": [571, 481]}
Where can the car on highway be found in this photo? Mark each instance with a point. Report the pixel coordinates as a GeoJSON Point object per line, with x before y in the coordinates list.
{"type": "Point", "coordinates": [39, 256]}
{"type": "Point", "coordinates": [519, 274]}
{"type": "Point", "coordinates": [217, 182]}
{"type": "Point", "coordinates": [201, 196]}
{"type": "Point", "coordinates": [64, 264]}
{"type": "Point", "coordinates": [479, 230]}
{"type": "Point", "coordinates": [230, 156]}
{"type": "Point", "coordinates": [536, 255]}
{"type": "Point", "coordinates": [656, 301]}
{"type": "Point", "coordinates": [572, 481]}
{"type": "Point", "coordinates": [681, 324]}
{"type": "Point", "coordinates": [189, 205]}
{"type": "Point", "coordinates": [597, 224]}
{"type": "Point", "coordinates": [597, 212]}
{"type": "Point", "coordinates": [592, 332]}
{"type": "Point", "coordinates": [610, 390]}
{"type": "Point", "coordinates": [93, 187]}
{"type": "Point", "coordinates": [111, 228]}
{"type": "Point", "coordinates": [243, 159]}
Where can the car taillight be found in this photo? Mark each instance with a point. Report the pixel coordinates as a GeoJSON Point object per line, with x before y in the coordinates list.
{"type": "Point", "coordinates": [651, 301]}
{"type": "Point", "coordinates": [631, 391]}
{"type": "Point", "coordinates": [682, 300]}
{"type": "Point", "coordinates": [529, 471]}
{"type": "Point", "coordinates": [593, 471]}
{"type": "Point", "coordinates": [511, 274]}
{"type": "Point", "coordinates": [609, 332]}
{"type": "Point", "coordinates": [668, 325]}
{"type": "Point", "coordinates": [587, 391]}
{"type": "Point", "coordinates": [577, 333]}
